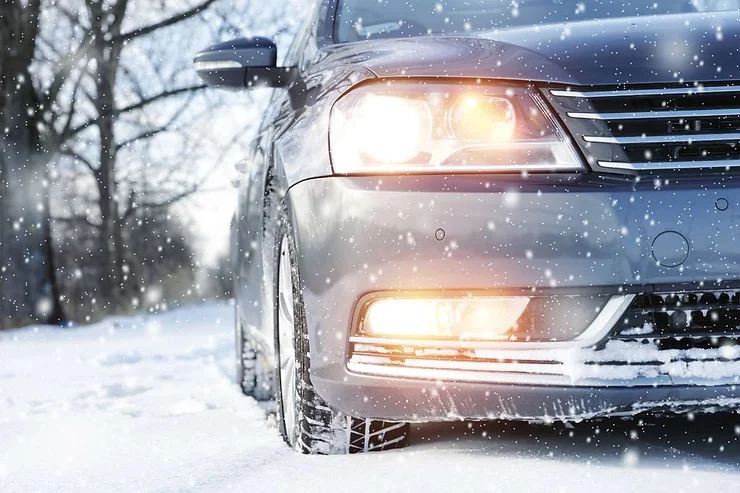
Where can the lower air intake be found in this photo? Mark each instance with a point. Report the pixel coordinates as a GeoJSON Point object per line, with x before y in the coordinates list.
{"type": "Point", "coordinates": [685, 320]}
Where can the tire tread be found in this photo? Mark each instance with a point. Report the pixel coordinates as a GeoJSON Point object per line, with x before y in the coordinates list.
{"type": "Point", "coordinates": [321, 429]}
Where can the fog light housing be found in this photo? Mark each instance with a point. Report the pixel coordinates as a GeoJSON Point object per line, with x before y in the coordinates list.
{"type": "Point", "coordinates": [475, 318]}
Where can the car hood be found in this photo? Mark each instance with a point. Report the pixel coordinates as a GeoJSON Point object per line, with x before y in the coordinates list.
{"type": "Point", "coordinates": [654, 49]}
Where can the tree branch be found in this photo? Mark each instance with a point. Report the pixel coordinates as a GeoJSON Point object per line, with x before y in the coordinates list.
{"type": "Point", "coordinates": [73, 103]}
{"type": "Point", "coordinates": [133, 107]}
{"type": "Point", "coordinates": [155, 131]}
{"type": "Point", "coordinates": [142, 136]}
{"type": "Point", "coordinates": [32, 17]}
{"type": "Point", "coordinates": [119, 13]}
{"type": "Point", "coordinates": [164, 203]}
{"type": "Point", "coordinates": [142, 31]}
{"type": "Point", "coordinates": [76, 220]}
{"type": "Point", "coordinates": [78, 157]}
{"type": "Point", "coordinates": [67, 66]}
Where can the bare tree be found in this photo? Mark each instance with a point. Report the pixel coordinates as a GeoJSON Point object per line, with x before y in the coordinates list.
{"type": "Point", "coordinates": [49, 112]}
{"type": "Point", "coordinates": [27, 288]}
{"type": "Point", "coordinates": [101, 47]}
{"type": "Point", "coordinates": [87, 84]}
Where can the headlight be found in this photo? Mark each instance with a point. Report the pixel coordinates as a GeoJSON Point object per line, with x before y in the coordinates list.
{"type": "Point", "coordinates": [420, 126]}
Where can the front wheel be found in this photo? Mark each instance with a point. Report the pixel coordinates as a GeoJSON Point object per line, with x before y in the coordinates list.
{"type": "Point", "coordinates": [308, 424]}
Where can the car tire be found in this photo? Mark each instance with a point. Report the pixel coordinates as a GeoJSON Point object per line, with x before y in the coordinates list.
{"type": "Point", "coordinates": [307, 423]}
{"type": "Point", "coordinates": [254, 377]}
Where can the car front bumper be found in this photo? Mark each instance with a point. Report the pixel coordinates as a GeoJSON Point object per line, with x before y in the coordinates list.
{"type": "Point", "coordinates": [419, 400]}
{"type": "Point", "coordinates": [580, 234]}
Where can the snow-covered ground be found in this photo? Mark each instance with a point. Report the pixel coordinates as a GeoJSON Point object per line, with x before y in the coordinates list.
{"type": "Point", "coordinates": [148, 404]}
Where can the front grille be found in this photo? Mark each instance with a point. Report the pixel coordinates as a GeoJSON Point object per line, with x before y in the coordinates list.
{"type": "Point", "coordinates": [655, 128]}
{"type": "Point", "coordinates": [688, 320]}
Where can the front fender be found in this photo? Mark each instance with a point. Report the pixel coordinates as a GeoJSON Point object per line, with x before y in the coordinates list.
{"type": "Point", "coordinates": [302, 149]}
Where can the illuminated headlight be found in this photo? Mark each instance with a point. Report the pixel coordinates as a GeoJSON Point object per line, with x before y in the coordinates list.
{"type": "Point", "coordinates": [397, 139]}
{"type": "Point", "coordinates": [488, 319]}
{"type": "Point", "coordinates": [419, 126]}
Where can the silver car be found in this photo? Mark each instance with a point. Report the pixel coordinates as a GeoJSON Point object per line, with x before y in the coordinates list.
{"type": "Point", "coordinates": [488, 210]}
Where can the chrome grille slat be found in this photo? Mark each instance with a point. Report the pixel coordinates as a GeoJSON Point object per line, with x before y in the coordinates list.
{"type": "Point", "coordinates": [663, 337]}
{"type": "Point", "coordinates": [669, 165]}
{"type": "Point", "coordinates": [649, 129]}
{"type": "Point", "coordinates": [662, 139]}
{"type": "Point", "coordinates": [687, 91]}
{"type": "Point", "coordinates": [656, 115]}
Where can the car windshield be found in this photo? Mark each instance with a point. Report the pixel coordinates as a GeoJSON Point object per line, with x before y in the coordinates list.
{"type": "Point", "coordinates": [370, 19]}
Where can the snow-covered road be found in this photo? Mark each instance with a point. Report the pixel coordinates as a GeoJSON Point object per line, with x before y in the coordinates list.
{"type": "Point", "coordinates": [148, 404]}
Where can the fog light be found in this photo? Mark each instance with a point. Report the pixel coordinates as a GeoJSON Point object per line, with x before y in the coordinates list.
{"type": "Point", "coordinates": [487, 319]}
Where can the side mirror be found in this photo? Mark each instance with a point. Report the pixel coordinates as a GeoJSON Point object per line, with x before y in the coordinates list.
{"type": "Point", "coordinates": [240, 63]}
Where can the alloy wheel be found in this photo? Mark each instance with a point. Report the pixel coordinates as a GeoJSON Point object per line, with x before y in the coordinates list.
{"type": "Point", "coordinates": [286, 342]}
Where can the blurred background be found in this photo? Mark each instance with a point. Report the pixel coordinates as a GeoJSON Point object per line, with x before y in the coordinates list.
{"type": "Point", "coordinates": [115, 162]}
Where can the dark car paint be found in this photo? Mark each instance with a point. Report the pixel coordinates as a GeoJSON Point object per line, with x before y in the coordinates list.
{"type": "Point", "coordinates": [638, 50]}
{"type": "Point", "coordinates": [292, 155]}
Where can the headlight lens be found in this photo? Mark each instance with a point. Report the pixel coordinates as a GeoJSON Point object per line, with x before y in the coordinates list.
{"type": "Point", "coordinates": [398, 139]}
{"type": "Point", "coordinates": [482, 118]}
{"type": "Point", "coordinates": [419, 126]}
{"type": "Point", "coordinates": [489, 319]}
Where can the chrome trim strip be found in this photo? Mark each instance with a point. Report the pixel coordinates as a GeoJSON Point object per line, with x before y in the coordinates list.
{"type": "Point", "coordinates": [594, 334]}
{"type": "Point", "coordinates": [451, 364]}
{"type": "Point", "coordinates": [381, 369]}
{"type": "Point", "coordinates": [674, 336]}
{"type": "Point", "coordinates": [660, 139]}
{"type": "Point", "coordinates": [688, 91]}
{"type": "Point", "coordinates": [456, 375]}
{"type": "Point", "coordinates": [656, 115]}
{"type": "Point", "coordinates": [654, 166]}
{"type": "Point", "coordinates": [604, 322]}
{"type": "Point", "coordinates": [482, 169]}
{"type": "Point", "coordinates": [213, 66]}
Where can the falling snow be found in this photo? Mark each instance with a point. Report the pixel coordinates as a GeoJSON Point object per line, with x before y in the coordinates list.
{"type": "Point", "coordinates": [575, 153]}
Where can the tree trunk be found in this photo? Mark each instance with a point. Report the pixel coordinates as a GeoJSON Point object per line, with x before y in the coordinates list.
{"type": "Point", "coordinates": [107, 58]}
{"type": "Point", "coordinates": [27, 284]}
